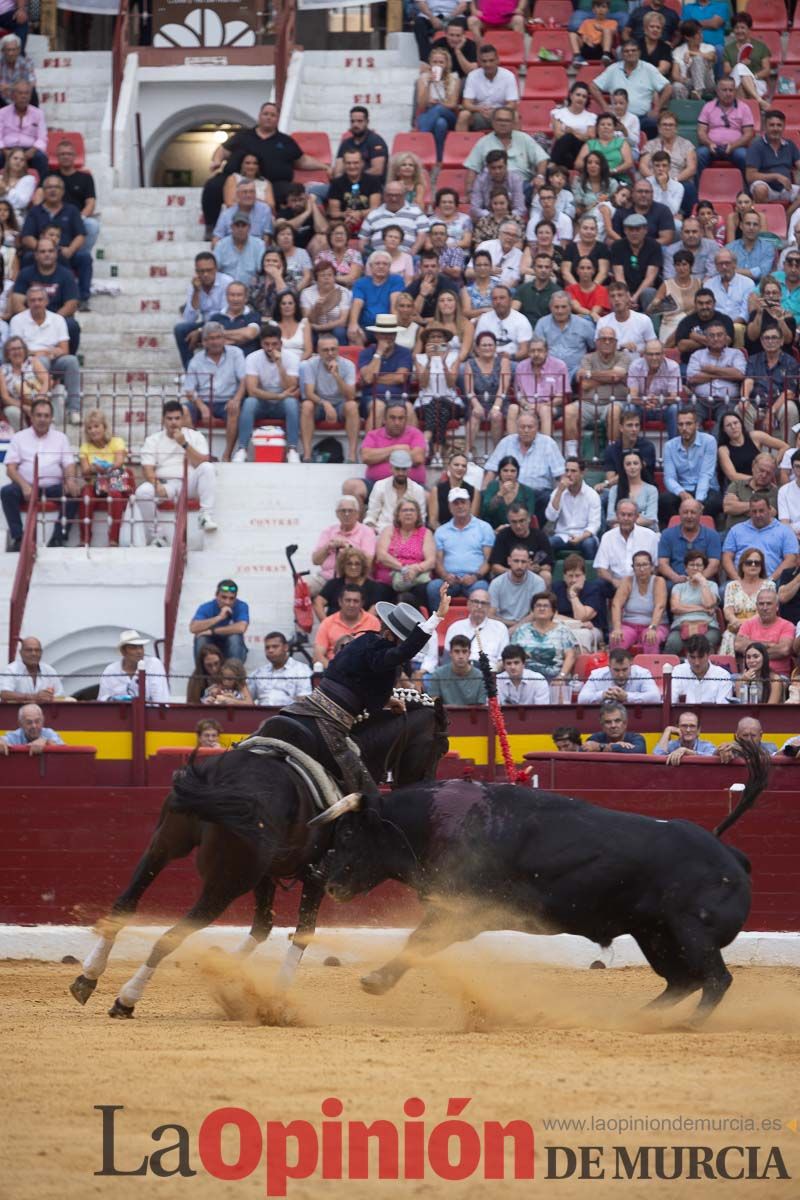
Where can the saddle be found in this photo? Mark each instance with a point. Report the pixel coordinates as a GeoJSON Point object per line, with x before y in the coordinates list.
{"type": "Point", "coordinates": [323, 790]}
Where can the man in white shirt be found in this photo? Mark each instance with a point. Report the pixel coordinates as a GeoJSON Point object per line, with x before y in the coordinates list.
{"type": "Point", "coordinates": [621, 680]}
{"type": "Point", "coordinates": [731, 290]}
{"type": "Point", "coordinates": [545, 208]}
{"type": "Point", "coordinates": [387, 493]}
{"type": "Point", "coordinates": [698, 680]}
{"type": "Point", "coordinates": [633, 329]}
{"type": "Point", "coordinates": [575, 510]}
{"type": "Point", "coordinates": [272, 390]}
{"type": "Point", "coordinates": [614, 560]}
{"type": "Point", "coordinates": [29, 680]}
{"type": "Point", "coordinates": [46, 335]}
{"type": "Point", "coordinates": [518, 684]}
{"type": "Point", "coordinates": [163, 456]}
{"type": "Point", "coordinates": [789, 497]}
{"type": "Point", "coordinates": [120, 679]}
{"type": "Point", "coordinates": [486, 89]}
{"type": "Point", "coordinates": [511, 329]}
{"type": "Point", "coordinates": [282, 680]}
{"type": "Point", "coordinates": [493, 634]}
{"type": "Point", "coordinates": [505, 254]}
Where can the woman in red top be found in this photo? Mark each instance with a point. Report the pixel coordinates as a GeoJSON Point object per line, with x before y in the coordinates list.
{"type": "Point", "coordinates": [589, 299]}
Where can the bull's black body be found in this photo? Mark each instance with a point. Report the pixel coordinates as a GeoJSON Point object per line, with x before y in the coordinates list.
{"type": "Point", "coordinates": [504, 857]}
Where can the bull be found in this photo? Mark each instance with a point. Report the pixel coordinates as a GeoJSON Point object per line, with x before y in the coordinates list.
{"type": "Point", "coordinates": [498, 856]}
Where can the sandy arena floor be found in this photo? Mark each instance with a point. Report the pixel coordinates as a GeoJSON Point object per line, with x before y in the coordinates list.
{"type": "Point", "coordinates": [552, 1044]}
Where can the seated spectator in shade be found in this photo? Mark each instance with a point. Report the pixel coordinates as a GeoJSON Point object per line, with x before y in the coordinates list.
{"type": "Point", "coordinates": [568, 337]}
{"type": "Point", "coordinates": [761, 531]}
{"type": "Point", "coordinates": [511, 329]}
{"type": "Point", "coordinates": [486, 89]}
{"type": "Point", "coordinates": [517, 684]}
{"type": "Point", "coordinates": [270, 284]}
{"type": "Point", "coordinates": [758, 682]}
{"type": "Point", "coordinates": [214, 383]}
{"type": "Point", "coordinates": [541, 384]}
{"type": "Point", "coordinates": [222, 622]}
{"type": "Point", "coordinates": [724, 127]}
{"type": "Point", "coordinates": [102, 461]}
{"type": "Point", "coordinates": [730, 288]}
{"type": "Point", "coordinates": [595, 36]}
{"type": "Point", "coordinates": [749, 731]}
{"type": "Point", "coordinates": [630, 438]}
{"type": "Point", "coordinates": [504, 491]}
{"type": "Point", "coordinates": [23, 124]}
{"type": "Point", "coordinates": [689, 534]}
{"type": "Point", "coordinates": [353, 193]}
{"type": "Point", "coordinates": [690, 467]}
{"type": "Point", "coordinates": [360, 137]}
{"type": "Point", "coordinates": [31, 732]}
{"type": "Point", "coordinates": [46, 335]}
{"type": "Point", "coordinates": [567, 739]}
{"type": "Point", "coordinates": [384, 369]}
{"type": "Point", "coordinates": [761, 482]}
{"type": "Point", "coordinates": [693, 64]}
{"type": "Point", "coordinates": [162, 459]}
{"type": "Point", "coordinates": [771, 384]}
{"type": "Point", "coordinates": [702, 249]}
{"type": "Point", "coordinates": [347, 531]}
{"type": "Point", "coordinates": [239, 321]}
{"type": "Point", "coordinates": [402, 262]}
{"type": "Point", "coordinates": [281, 680]}
{"type": "Point", "coordinates": [27, 678]}
{"type": "Point", "coordinates": [120, 679]}
{"type": "Point", "coordinates": [697, 680]}
{"type": "Point", "coordinates": [245, 204]}
{"type": "Point", "coordinates": [57, 474]}
{"type": "Point", "coordinates": [574, 510]}
{"type": "Point", "coordinates": [770, 629]}
{"type": "Point", "coordinates": [582, 602]}
{"type": "Point", "coordinates": [614, 559]}
{"type": "Point", "coordinates": [540, 461]}
{"type": "Point", "coordinates": [204, 296]}
{"type": "Point", "coordinates": [15, 64]}
{"type": "Point", "coordinates": [457, 681]}
{"type": "Point", "coordinates": [520, 531]}
{"type": "Point", "coordinates": [658, 217]}
{"type": "Point", "coordinates": [632, 486]}
{"type": "Point", "coordinates": [406, 554]}
{"type": "Point", "coordinates": [740, 594]}
{"type": "Point", "coordinates": [601, 379]}
{"type": "Point", "coordinates": [352, 618]}
{"type": "Point", "coordinates": [303, 211]}
{"type": "Point", "coordinates": [614, 736]}
{"type": "Point", "coordinates": [54, 213]}
{"type": "Point", "coordinates": [271, 390]}
{"type": "Point", "coordinates": [388, 493]}
{"type": "Point", "coordinates": [463, 545]}
{"type": "Point", "coordinates": [622, 680]}
{"type": "Point", "coordinates": [772, 159]}
{"type": "Point", "coordinates": [395, 210]}
{"type": "Point", "coordinates": [691, 332]}
{"type": "Point", "coordinates": [588, 298]}
{"type": "Point", "coordinates": [693, 606]}
{"type": "Point", "coordinates": [17, 183]}
{"type": "Point", "coordinates": [22, 379]}
{"type": "Point", "coordinates": [511, 594]}
{"type": "Point", "coordinates": [378, 445]}
{"type": "Point", "coordinates": [551, 646]}
{"type": "Point", "coordinates": [438, 401]}
{"type": "Point", "coordinates": [481, 631]}
{"type": "Point", "coordinates": [654, 384]}
{"type": "Point", "coordinates": [208, 665]}
{"type": "Point", "coordinates": [683, 740]}
{"type": "Point", "coordinates": [239, 253]}
{"type": "Point", "coordinates": [326, 304]}
{"type": "Point", "coordinates": [789, 497]}
{"type": "Point", "coordinates": [328, 390]}
{"type": "Point", "coordinates": [637, 260]}
{"type": "Point", "coordinates": [352, 566]}
{"type": "Point", "coordinates": [525, 155]}
{"type": "Point", "coordinates": [373, 294]}
{"type": "Point", "coordinates": [437, 92]}
{"type": "Point", "coordinates": [208, 733]}
{"type": "Point", "coordinates": [638, 608]}
{"type": "Point", "coordinates": [633, 329]}
{"type": "Point", "coordinates": [78, 190]}
{"type": "Point", "coordinates": [754, 254]}
{"type": "Point", "coordinates": [496, 173]}
{"type": "Point", "coordinates": [231, 688]}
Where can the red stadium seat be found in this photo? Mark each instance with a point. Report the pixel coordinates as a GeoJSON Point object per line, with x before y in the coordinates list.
{"type": "Point", "coordinates": [510, 47]}
{"type": "Point", "coordinates": [534, 116]}
{"type": "Point", "coordinates": [351, 353]}
{"type": "Point", "coordinates": [455, 614]}
{"type": "Point", "coordinates": [654, 663]}
{"type": "Point", "coordinates": [557, 41]}
{"type": "Point", "coordinates": [421, 144]}
{"type": "Point", "coordinates": [586, 663]}
{"type": "Point", "coordinates": [772, 38]}
{"type": "Point", "coordinates": [790, 107]}
{"type": "Point", "coordinates": [553, 12]}
{"type": "Point", "coordinates": [65, 135]}
{"type": "Point", "coordinates": [455, 177]}
{"type": "Point", "coordinates": [315, 143]}
{"type": "Point", "coordinates": [546, 83]}
{"type": "Point", "coordinates": [775, 215]}
{"type": "Point", "coordinates": [589, 72]}
{"type": "Point", "coordinates": [457, 147]}
{"type": "Point", "coordinates": [718, 183]}
{"type": "Point", "coordinates": [766, 15]}
{"type": "Point", "coordinates": [728, 661]}
{"type": "Point", "coordinates": [792, 52]}
{"type": "Point", "coordinates": [704, 520]}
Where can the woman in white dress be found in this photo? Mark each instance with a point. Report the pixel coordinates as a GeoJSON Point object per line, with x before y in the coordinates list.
{"type": "Point", "coordinates": [295, 331]}
{"type": "Point", "coordinates": [572, 125]}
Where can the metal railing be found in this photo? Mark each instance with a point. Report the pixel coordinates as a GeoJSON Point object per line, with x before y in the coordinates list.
{"type": "Point", "coordinates": [22, 577]}
{"type": "Point", "coordinates": [177, 566]}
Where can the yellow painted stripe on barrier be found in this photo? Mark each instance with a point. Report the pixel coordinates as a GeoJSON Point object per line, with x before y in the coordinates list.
{"type": "Point", "coordinates": [109, 745]}
{"type": "Point", "coordinates": [159, 740]}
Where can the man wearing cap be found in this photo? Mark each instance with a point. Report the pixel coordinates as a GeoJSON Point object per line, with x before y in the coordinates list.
{"type": "Point", "coordinates": [637, 261]}
{"type": "Point", "coordinates": [120, 679]}
{"type": "Point", "coordinates": [31, 732]}
{"type": "Point", "coordinates": [222, 622]}
{"type": "Point", "coordinates": [239, 254]}
{"type": "Point", "coordinates": [660, 222]}
{"type": "Point", "coordinates": [463, 546]}
{"type": "Point", "coordinates": [387, 493]}
{"type": "Point", "coordinates": [360, 678]}
{"type": "Point", "coordinates": [383, 367]}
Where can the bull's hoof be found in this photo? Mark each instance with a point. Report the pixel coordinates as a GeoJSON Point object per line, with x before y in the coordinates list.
{"type": "Point", "coordinates": [375, 983]}
{"type": "Point", "coordinates": [82, 988]}
{"type": "Point", "coordinates": [121, 1011]}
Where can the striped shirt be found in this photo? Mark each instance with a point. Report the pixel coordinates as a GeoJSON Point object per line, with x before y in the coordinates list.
{"type": "Point", "coordinates": [410, 218]}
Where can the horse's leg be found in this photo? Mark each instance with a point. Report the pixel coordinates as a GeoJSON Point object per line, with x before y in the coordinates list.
{"type": "Point", "coordinates": [175, 837]}
{"type": "Point", "coordinates": [213, 901]}
{"type": "Point", "coordinates": [435, 932]}
{"type": "Point", "coordinates": [310, 900]}
{"type": "Point", "coordinates": [263, 917]}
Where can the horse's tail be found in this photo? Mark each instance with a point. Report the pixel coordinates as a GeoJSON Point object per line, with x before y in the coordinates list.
{"type": "Point", "coordinates": [220, 790]}
{"type": "Point", "coordinates": [759, 765]}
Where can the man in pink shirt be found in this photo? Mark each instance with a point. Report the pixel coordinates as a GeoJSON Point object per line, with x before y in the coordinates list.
{"type": "Point", "coordinates": [23, 125]}
{"type": "Point", "coordinates": [348, 531]}
{"type": "Point", "coordinates": [377, 446]}
{"type": "Point", "coordinates": [776, 633]}
{"type": "Point", "coordinates": [724, 128]}
{"type": "Point", "coordinates": [57, 474]}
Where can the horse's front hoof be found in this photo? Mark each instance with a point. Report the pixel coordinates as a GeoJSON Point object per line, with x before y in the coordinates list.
{"type": "Point", "coordinates": [375, 983]}
{"type": "Point", "coordinates": [121, 1011]}
{"type": "Point", "coordinates": [82, 988]}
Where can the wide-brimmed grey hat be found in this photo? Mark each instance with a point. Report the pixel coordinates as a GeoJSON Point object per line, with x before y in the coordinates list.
{"type": "Point", "coordinates": [401, 619]}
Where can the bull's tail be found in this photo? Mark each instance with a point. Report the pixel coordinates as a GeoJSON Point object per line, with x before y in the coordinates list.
{"type": "Point", "coordinates": [759, 766]}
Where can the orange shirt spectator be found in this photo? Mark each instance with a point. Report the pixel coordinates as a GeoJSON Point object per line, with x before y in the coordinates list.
{"type": "Point", "coordinates": [350, 619]}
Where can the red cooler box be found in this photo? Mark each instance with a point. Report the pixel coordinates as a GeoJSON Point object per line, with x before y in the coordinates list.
{"type": "Point", "coordinates": [269, 444]}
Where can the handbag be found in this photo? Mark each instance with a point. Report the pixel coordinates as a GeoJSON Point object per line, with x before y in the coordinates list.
{"type": "Point", "coordinates": [119, 481]}
{"type": "Point", "coordinates": [693, 629]}
{"type": "Point", "coordinates": [402, 585]}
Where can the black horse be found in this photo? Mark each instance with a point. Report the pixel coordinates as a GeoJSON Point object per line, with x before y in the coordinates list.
{"type": "Point", "coordinates": [247, 815]}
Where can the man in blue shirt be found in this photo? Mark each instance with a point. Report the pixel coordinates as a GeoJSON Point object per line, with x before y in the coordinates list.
{"type": "Point", "coordinates": [690, 469]}
{"type": "Point", "coordinates": [53, 211]}
{"type": "Point", "coordinates": [463, 546]}
{"type": "Point", "coordinates": [240, 321]}
{"type": "Point", "coordinates": [372, 294]}
{"type": "Point", "coordinates": [754, 254]}
{"type": "Point", "coordinates": [204, 295]}
{"type": "Point", "coordinates": [568, 337]}
{"type": "Point", "coordinates": [689, 535]}
{"type": "Point", "coordinates": [712, 17]}
{"type": "Point", "coordinates": [32, 732]}
{"type": "Point", "coordinates": [239, 254]}
{"type": "Point", "coordinates": [614, 736]}
{"type": "Point", "coordinates": [683, 741]}
{"type": "Point", "coordinates": [772, 162]}
{"type": "Point", "coordinates": [222, 622]}
{"type": "Point", "coordinates": [762, 531]}
{"type": "Point", "coordinates": [383, 367]}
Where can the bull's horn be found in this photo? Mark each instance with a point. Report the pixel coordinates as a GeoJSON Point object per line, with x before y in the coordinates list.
{"type": "Point", "coordinates": [347, 804]}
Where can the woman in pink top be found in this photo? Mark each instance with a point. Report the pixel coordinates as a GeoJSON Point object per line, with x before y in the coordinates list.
{"type": "Point", "coordinates": [406, 553]}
